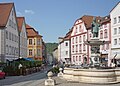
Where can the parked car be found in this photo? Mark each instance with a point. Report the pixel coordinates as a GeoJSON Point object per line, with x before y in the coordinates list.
{"type": "Point", "coordinates": [2, 74]}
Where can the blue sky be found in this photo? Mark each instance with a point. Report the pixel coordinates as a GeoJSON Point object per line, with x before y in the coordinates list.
{"type": "Point", "coordinates": [54, 18]}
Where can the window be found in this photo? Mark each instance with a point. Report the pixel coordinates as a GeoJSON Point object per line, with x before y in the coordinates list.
{"type": "Point", "coordinates": [73, 58]}
{"type": "Point", "coordinates": [80, 39]}
{"type": "Point", "coordinates": [118, 19]}
{"type": "Point", "coordinates": [30, 52]}
{"type": "Point", "coordinates": [105, 33]}
{"type": "Point", "coordinates": [115, 20]}
{"type": "Point", "coordinates": [103, 47]}
{"type": "Point", "coordinates": [66, 44]}
{"type": "Point", "coordinates": [79, 58]}
{"type": "Point", "coordinates": [12, 50]}
{"type": "Point", "coordinates": [73, 40]}
{"type": "Point", "coordinates": [9, 36]}
{"type": "Point", "coordinates": [76, 29]}
{"type": "Point", "coordinates": [10, 23]}
{"type": "Point", "coordinates": [83, 37]}
{"type": "Point", "coordinates": [12, 37]}
{"type": "Point", "coordinates": [80, 48]}
{"type": "Point", "coordinates": [76, 58]}
{"type": "Point", "coordinates": [84, 47]}
{"type": "Point", "coordinates": [76, 39]}
{"type": "Point", "coordinates": [115, 31]}
{"type": "Point", "coordinates": [115, 41]}
{"type": "Point", "coordinates": [73, 48]}
{"type": "Point", "coordinates": [6, 34]}
{"type": "Point", "coordinates": [30, 41]}
{"type": "Point", "coordinates": [90, 35]}
{"type": "Point", "coordinates": [38, 52]}
{"type": "Point", "coordinates": [76, 48]}
{"type": "Point", "coordinates": [101, 34]}
{"type": "Point", "coordinates": [6, 49]}
{"type": "Point", "coordinates": [119, 41]}
{"type": "Point", "coordinates": [9, 50]}
{"type": "Point", "coordinates": [34, 41]}
{"type": "Point", "coordinates": [80, 28]}
{"type": "Point", "coordinates": [38, 41]}
{"type": "Point", "coordinates": [15, 51]}
{"type": "Point", "coordinates": [119, 30]}
{"type": "Point", "coordinates": [66, 52]}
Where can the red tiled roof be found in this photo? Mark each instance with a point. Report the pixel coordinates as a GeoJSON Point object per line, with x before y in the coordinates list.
{"type": "Point", "coordinates": [20, 22]}
{"type": "Point", "coordinates": [5, 9]}
{"type": "Point", "coordinates": [28, 26]}
{"type": "Point", "coordinates": [31, 32]}
{"type": "Point", "coordinates": [87, 19]}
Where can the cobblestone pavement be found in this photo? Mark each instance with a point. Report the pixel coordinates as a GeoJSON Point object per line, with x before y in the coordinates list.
{"type": "Point", "coordinates": [59, 82]}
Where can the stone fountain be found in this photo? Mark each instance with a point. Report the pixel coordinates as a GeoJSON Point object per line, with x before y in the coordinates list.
{"type": "Point", "coordinates": [95, 51]}
{"type": "Point", "coordinates": [93, 75]}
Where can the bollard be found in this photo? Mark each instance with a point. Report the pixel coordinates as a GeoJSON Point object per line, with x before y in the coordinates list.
{"type": "Point", "coordinates": [50, 81]}
{"type": "Point", "coordinates": [60, 74]}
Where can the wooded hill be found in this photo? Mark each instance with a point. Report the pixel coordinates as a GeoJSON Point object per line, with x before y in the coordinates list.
{"type": "Point", "coordinates": [50, 47]}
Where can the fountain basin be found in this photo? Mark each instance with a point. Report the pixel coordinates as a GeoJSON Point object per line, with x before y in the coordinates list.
{"type": "Point", "coordinates": [98, 76]}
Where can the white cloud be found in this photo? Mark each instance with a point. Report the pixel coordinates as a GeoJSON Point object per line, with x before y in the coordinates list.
{"type": "Point", "coordinates": [29, 11]}
{"type": "Point", "coordinates": [19, 13]}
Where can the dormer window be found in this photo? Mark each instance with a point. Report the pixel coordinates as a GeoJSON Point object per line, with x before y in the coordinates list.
{"type": "Point", "coordinates": [80, 28]}
{"type": "Point", "coordinates": [106, 17]}
{"type": "Point", "coordinates": [98, 20]}
{"type": "Point", "coordinates": [76, 29]}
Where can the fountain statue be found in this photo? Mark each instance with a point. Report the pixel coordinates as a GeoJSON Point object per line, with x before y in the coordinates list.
{"type": "Point", "coordinates": [95, 43]}
{"type": "Point", "coordinates": [95, 27]}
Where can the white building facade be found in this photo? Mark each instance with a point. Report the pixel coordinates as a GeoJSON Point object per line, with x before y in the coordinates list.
{"type": "Point", "coordinates": [22, 37]}
{"type": "Point", "coordinates": [9, 43]}
{"type": "Point", "coordinates": [105, 35]}
{"type": "Point", "coordinates": [79, 50]}
{"type": "Point", "coordinates": [115, 32]}
{"type": "Point", "coordinates": [64, 51]}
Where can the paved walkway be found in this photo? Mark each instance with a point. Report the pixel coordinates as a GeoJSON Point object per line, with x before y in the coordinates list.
{"type": "Point", "coordinates": [59, 82]}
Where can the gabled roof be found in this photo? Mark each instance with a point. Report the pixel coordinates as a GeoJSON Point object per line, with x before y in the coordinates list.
{"type": "Point", "coordinates": [28, 26]}
{"type": "Point", "coordinates": [87, 19]}
{"type": "Point", "coordinates": [31, 32]}
{"type": "Point", "coordinates": [5, 9]}
{"type": "Point", "coordinates": [20, 21]}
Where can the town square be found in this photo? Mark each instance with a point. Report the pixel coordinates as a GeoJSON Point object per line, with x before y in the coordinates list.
{"type": "Point", "coordinates": [60, 43]}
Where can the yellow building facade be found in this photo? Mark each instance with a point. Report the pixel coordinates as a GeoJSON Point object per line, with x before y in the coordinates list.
{"type": "Point", "coordinates": [34, 44]}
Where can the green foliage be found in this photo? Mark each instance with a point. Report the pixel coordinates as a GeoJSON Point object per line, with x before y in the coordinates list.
{"type": "Point", "coordinates": [54, 70]}
{"type": "Point", "coordinates": [50, 47]}
{"type": "Point", "coordinates": [12, 68]}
